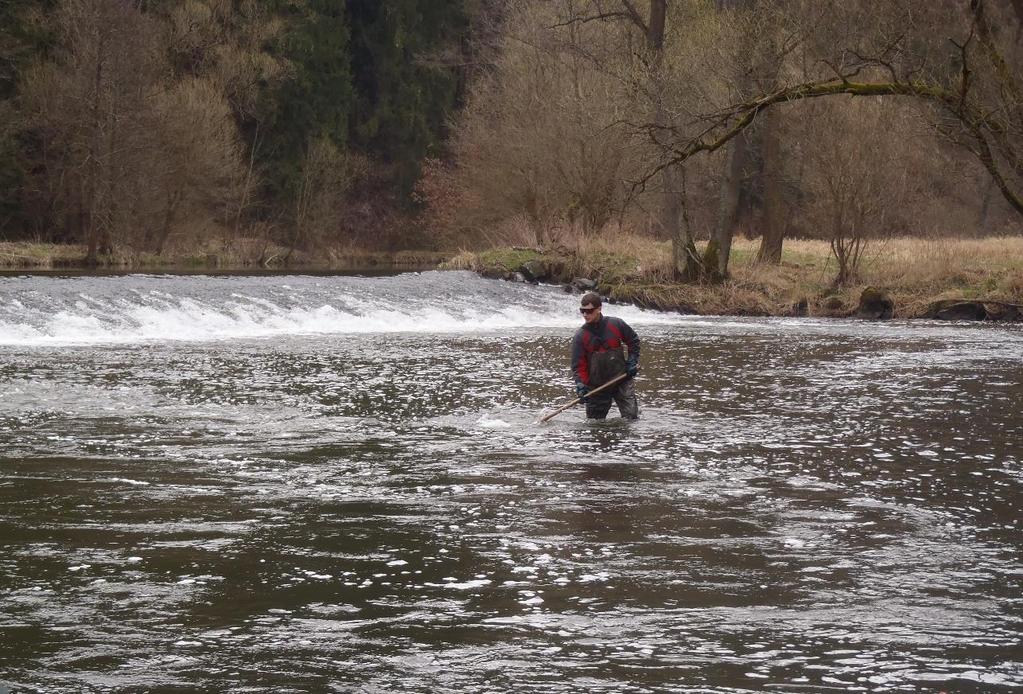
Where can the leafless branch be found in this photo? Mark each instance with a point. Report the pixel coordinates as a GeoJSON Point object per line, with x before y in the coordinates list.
{"type": "Point", "coordinates": [601, 17]}
{"type": "Point", "coordinates": [635, 16]}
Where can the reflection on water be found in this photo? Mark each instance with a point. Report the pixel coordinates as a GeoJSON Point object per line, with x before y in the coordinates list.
{"type": "Point", "coordinates": [804, 506]}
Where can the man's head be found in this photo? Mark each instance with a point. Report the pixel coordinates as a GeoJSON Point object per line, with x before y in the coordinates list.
{"type": "Point", "coordinates": [589, 306]}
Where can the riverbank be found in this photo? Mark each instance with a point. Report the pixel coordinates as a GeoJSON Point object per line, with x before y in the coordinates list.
{"type": "Point", "coordinates": [917, 275]}
{"type": "Point", "coordinates": [241, 254]}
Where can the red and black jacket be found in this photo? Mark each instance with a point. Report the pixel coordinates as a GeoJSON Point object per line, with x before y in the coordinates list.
{"type": "Point", "coordinates": [606, 334]}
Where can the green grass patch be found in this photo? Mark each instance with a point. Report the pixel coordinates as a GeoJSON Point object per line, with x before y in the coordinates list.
{"type": "Point", "coordinates": [508, 259]}
{"type": "Point", "coordinates": [612, 267]}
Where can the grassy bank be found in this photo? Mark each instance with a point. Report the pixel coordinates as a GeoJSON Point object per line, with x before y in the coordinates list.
{"type": "Point", "coordinates": [240, 254]}
{"type": "Point", "coordinates": [914, 272]}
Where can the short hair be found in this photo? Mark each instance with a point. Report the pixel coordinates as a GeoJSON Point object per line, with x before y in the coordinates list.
{"type": "Point", "coordinates": [591, 298]}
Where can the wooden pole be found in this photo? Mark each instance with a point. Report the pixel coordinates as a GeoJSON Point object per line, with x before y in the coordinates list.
{"type": "Point", "coordinates": [564, 407]}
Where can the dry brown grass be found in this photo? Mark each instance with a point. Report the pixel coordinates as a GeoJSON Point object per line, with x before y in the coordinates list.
{"type": "Point", "coordinates": [914, 271]}
{"type": "Point", "coordinates": [214, 253]}
{"type": "Point", "coordinates": [949, 264]}
{"type": "Point", "coordinates": [25, 254]}
{"type": "Point", "coordinates": [650, 258]}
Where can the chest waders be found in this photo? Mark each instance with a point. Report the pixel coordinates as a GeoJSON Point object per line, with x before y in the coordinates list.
{"type": "Point", "coordinates": [605, 364]}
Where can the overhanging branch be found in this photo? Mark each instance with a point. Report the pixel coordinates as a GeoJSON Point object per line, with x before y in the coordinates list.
{"type": "Point", "coordinates": [635, 16]}
{"type": "Point", "coordinates": [735, 119]}
{"type": "Point", "coordinates": [600, 17]}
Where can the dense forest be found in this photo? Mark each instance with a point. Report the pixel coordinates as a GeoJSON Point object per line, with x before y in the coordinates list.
{"type": "Point", "coordinates": [151, 122]}
{"type": "Point", "coordinates": [313, 124]}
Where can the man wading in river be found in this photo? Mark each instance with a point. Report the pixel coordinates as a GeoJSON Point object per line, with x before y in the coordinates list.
{"type": "Point", "coordinates": [598, 356]}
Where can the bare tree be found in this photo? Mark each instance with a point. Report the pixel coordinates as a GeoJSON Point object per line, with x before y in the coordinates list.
{"type": "Point", "coordinates": [327, 174]}
{"type": "Point", "coordinates": [198, 163]}
{"type": "Point", "coordinates": [539, 137]}
{"type": "Point", "coordinates": [689, 56]}
{"type": "Point", "coordinates": [859, 181]}
{"type": "Point", "coordinates": [649, 80]}
{"type": "Point", "coordinates": [751, 189]}
{"type": "Point", "coordinates": [125, 152]}
{"type": "Point", "coordinates": [227, 43]}
{"type": "Point", "coordinates": [89, 111]}
{"type": "Point", "coordinates": [971, 83]}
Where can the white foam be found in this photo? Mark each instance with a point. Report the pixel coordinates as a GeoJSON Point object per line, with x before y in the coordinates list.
{"type": "Point", "coordinates": [55, 311]}
{"type": "Point", "coordinates": [463, 585]}
{"type": "Point", "coordinates": [488, 423]}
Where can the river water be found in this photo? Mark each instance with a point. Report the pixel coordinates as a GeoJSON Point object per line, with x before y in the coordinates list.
{"type": "Point", "coordinates": [299, 483]}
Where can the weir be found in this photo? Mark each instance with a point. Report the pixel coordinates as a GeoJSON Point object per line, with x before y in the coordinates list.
{"type": "Point", "coordinates": [94, 310]}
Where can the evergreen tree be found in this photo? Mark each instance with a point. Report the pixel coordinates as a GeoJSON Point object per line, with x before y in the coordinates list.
{"type": "Point", "coordinates": [21, 40]}
{"type": "Point", "coordinates": [316, 102]}
{"type": "Point", "coordinates": [405, 80]}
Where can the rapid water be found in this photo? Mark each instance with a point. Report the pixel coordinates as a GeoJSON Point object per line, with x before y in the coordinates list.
{"type": "Point", "coordinates": [294, 483]}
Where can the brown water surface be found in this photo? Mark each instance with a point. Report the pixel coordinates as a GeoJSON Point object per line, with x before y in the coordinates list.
{"type": "Point", "coordinates": [337, 484]}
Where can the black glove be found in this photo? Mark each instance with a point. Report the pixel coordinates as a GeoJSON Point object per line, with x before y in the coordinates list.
{"type": "Point", "coordinates": [631, 369]}
{"type": "Point", "coordinates": [581, 390]}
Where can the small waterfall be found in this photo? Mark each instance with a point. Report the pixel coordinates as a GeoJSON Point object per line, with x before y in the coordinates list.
{"type": "Point", "coordinates": [137, 308]}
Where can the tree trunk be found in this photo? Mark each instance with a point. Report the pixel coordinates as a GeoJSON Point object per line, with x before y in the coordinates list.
{"type": "Point", "coordinates": [90, 198]}
{"type": "Point", "coordinates": [243, 201]}
{"type": "Point", "coordinates": [685, 259]}
{"type": "Point", "coordinates": [985, 206]}
{"type": "Point", "coordinates": [655, 28]}
{"type": "Point", "coordinates": [170, 212]}
{"type": "Point", "coordinates": [736, 158]}
{"type": "Point", "coordinates": [773, 221]}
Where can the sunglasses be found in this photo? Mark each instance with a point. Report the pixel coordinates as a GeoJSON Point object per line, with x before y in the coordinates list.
{"type": "Point", "coordinates": [587, 311]}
